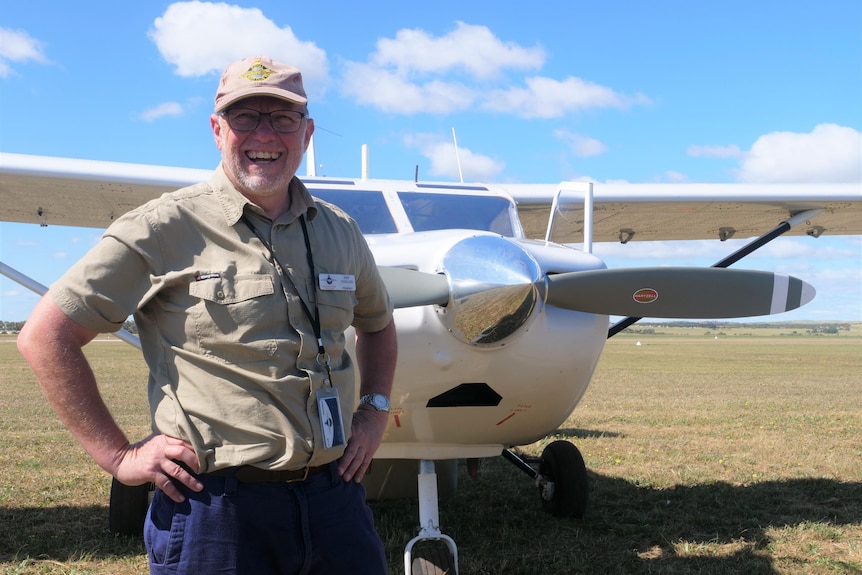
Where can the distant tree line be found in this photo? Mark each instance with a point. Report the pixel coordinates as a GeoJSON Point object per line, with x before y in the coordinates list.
{"type": "Point", "coordinates": [15, 326]}
{"type": "Point", "coordinates": [646, 328]}
{"type": "Point", "coordinates": [813, 327]}
{"type": "Point", "coordinates": [11, 326]}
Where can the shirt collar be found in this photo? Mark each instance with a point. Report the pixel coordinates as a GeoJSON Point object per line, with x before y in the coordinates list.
{"type": "Point", "coordinates": [233, 202]}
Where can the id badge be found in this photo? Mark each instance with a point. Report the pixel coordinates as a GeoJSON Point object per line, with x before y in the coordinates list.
{"type": "Point", "coordinates": [329, 410]}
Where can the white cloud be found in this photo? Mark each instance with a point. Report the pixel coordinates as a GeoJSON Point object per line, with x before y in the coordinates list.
{"type": "Point", "coordinates": [19, 47]}
{"type": "Point", "coordinates": [581, 146]}
{"type": "Point", "coordinates": [391, 92]}
{"type": "Point", "coordinates": [444, 161]}
{"type": "Point", "coordinates": [731, 151]}
{"type": "Point", "coordinates": [675, 177]}
{"type": "Point", "coordinates": [679, 253]}
{"type": "Point", "coordinates": [200, 38]}
{"type": "Point", "coordinates": [162, 110]}
{"type": "Point", "coordinates": [418, 72]}
{"type": "Point", "coordinates": [405, 74]}
{"type": "Point", "coordinates": [828, 154]}
{"type": "Point", "coordinates": [473, 49]}
{"type": "Point", "coordinates": [549, 98]}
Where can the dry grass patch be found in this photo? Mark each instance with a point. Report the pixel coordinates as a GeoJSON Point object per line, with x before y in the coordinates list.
{"type": "Point", "coordinates": [737, 455]}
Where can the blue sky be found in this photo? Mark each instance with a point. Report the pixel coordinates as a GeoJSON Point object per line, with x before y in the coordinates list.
{"type": "Point", "coordinates": [733, 91]}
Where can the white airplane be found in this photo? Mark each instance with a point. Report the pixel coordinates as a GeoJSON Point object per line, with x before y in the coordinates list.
{"type": "Point", "coordinates": [500, 323]}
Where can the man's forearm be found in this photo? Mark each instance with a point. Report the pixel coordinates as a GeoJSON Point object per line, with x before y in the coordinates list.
{"type": "Point", "coordinates": [52, 345]}
{"type": "Point", "coordinates": [376, 355]}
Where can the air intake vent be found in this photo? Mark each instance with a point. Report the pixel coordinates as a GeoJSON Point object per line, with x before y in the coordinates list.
{"type": "Point", "coordinates": [467, 395]}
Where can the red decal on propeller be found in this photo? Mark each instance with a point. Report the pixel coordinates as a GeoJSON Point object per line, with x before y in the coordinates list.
{"type": "Point", "coordinates": [645, 295]}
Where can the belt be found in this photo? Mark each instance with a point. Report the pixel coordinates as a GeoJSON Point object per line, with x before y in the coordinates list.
{"type": "Point", "coordinates": [251, 474]}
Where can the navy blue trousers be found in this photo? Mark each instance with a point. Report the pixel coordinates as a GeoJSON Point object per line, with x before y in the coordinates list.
{"type": "Point", "coordinates": [321, 526]}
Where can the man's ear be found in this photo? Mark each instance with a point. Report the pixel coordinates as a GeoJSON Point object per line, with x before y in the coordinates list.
{"type": "Point", "coordinates": [309, 131]}
{"type": "Point", "coordinates": [215, 123]}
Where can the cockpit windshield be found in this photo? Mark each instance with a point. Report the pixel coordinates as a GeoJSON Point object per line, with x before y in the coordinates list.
{"type": "Point", "coordinates": [369, 209]}
{"type": "Point", "coordinates": [426, 211]}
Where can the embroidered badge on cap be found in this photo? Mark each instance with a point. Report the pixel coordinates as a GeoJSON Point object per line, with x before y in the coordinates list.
{"type": "Point", "coordinates": [258, 72]}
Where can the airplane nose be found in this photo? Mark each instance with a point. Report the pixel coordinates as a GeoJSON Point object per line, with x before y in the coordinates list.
{"type": "Point", "coordinates": [494, 289]}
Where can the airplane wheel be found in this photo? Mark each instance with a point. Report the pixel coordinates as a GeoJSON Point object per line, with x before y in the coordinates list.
{"type": "Point", "coordinates": [562, 464]}
{"type": "Point", "coordinates": [128, 509]}
{"type": "Point", "coordinates": [432, 558]}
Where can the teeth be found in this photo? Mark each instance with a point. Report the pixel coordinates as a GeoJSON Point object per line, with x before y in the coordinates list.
{"type": "Point", "coordinates": [263, 155]}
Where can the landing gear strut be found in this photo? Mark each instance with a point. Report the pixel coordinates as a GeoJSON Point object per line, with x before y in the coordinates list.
{"type": "Point", "coordinates": [431, 552]}
{"type": "Point", "coordinates": [561, 478]}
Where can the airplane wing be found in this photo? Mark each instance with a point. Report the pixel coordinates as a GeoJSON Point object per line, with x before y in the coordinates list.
{"type": "Point", "coordinates": [647, 212]}
{"type": "Point", "coordinates": [89, 193]}
{"type": "Point", "coordinates": [82, 193]}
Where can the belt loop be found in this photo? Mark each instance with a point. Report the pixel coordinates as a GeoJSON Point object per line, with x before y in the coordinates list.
{"type": "Point", "coordinates": [230, 483]}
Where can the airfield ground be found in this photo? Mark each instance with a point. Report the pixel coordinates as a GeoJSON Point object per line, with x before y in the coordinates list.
{"type": "Point", "coordinates": [735, 450]}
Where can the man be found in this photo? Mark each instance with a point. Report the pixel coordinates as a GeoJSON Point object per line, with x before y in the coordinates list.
{"type": "Point", "coordinates": [256, 449]}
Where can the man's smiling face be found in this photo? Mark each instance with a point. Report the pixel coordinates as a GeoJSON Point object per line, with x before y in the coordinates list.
{"type": "Point", "coordinates": [262, 161]}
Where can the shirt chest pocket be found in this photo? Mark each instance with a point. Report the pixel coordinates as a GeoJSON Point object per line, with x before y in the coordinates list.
{"type": "Point", "coordinates": [236, 319]}
{"type": "Point", "coordinates": [336, 310]}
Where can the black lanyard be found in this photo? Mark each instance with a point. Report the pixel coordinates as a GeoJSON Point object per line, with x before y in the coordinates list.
{"type": "Point", "coordinates": [322, 356]}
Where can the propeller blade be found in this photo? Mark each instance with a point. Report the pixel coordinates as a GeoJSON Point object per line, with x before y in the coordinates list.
{"type": "Point", "coordinates": [674, 292]}
{"type": "Point", "coordinates": [408, 288]}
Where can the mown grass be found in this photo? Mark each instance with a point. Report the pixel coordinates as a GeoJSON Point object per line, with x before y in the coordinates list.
{"type": "Point", "coordinates": [736, 455]}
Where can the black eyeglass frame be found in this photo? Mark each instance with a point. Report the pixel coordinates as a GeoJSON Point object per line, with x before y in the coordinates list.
{"type": "Point", "coordinates": [226, 114]}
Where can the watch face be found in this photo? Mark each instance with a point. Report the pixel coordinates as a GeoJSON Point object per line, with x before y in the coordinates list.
{"type": "Point", "coordinates": [378, 401]}
{"type": "Point", "coordinates": [381, 402]}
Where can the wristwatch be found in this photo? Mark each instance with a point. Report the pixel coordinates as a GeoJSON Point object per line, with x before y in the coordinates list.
{"type": "Point", "coordinates": [376, 400]}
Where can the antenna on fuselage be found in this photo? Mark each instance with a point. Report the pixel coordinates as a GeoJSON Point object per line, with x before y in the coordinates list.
{"type": "Point", "coordinates": [364, 161]}
{"type": "Point", "coordinates": [457, 156]}
{"type": "Point", "coordinates": [310, 163]}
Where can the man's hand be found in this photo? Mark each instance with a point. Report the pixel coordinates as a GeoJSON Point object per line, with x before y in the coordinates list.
{"type": "Point", "coordinates": [157, 460]}
{"type": "Point", "coordinates": [375, 356]}
{"type": "Point", "coordinates": [366, 433]}
{"type": "Point", "coordinates": [52, 344]}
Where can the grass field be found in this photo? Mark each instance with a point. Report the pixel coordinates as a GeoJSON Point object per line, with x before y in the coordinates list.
{"type": "Point", "coordinates": [741, 454]}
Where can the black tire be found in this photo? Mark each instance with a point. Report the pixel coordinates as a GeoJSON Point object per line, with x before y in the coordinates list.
{"type": "Point", "coordinates": [432, 558]}
{"type": "Point", "coordinates": [128, 509]}
{"type": "Point", "coordinates": [563, 464]}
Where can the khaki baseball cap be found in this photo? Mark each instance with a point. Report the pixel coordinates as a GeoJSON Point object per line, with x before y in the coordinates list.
{"type": "Point", "coordinates": [259, 76]}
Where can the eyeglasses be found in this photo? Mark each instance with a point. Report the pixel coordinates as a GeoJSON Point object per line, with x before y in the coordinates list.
{"type": "Point", "coordinates": [246, 119]}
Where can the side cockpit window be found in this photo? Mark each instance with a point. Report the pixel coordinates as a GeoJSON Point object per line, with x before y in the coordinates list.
{"type": "Point", "coordinates": [440, 211]}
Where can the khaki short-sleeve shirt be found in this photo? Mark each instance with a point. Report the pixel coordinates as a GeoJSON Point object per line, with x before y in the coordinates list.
{"type": "Point", "coordinates": [231, 353]}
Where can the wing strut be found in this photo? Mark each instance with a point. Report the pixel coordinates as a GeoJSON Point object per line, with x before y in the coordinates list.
{"type": "Point", "coordinates": [40, 289]}
{"type": "Point", "coordinates": [755, 245]}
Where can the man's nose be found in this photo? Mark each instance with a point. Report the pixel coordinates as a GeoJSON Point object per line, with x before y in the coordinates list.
{"type": "Point", "coordinates": [264, 126]}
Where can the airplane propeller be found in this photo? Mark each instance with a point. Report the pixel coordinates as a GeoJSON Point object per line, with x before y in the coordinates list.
{"type": "Point", "coordinates": [678, 292]}
{"type": "Point", "coordinates": [672, 292]}
{"type": "Point", "coordinates": [409, 288]}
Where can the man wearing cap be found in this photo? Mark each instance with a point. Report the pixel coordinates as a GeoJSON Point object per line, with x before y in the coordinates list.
{"type": "Point", "coordinates": [257, 445]}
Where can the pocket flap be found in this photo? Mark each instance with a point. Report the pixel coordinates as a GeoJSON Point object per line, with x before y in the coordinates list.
{"type": "Point", "coordinates": [232, 290]}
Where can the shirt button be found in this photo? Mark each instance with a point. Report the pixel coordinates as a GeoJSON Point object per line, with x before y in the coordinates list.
{"type": "Point", "coordinates": [220, 294]}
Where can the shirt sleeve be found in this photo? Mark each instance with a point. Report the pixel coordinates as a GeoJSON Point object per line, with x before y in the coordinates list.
{"type": "Point", "coordinates": [112, 280]}
{"type": "Point", "coordinates": [373, 310]}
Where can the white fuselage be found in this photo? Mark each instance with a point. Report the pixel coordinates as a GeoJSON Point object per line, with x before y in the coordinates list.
{"type": "Point", "coordinates": [463, 390]}
{"type": "Point", "coordinates": [539, 373]}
